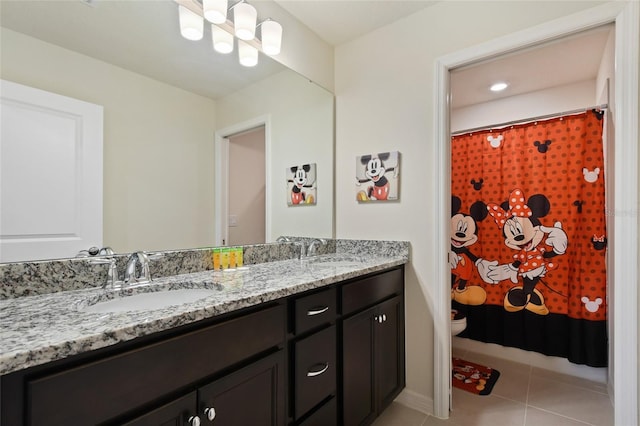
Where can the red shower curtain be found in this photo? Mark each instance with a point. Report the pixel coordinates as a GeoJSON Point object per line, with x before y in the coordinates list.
{"type": "Point", "coordinates": [528, 237]}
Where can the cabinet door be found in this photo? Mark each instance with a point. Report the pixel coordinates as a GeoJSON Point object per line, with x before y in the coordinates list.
{"type": "Point", "coordinates": [252, 396]}
{"type": "Point", "coordinates": [389, 351]}
{"type": "Point", "coordinates": [175, 413]}
{"type": "Point", "coordinates": [358, 368]}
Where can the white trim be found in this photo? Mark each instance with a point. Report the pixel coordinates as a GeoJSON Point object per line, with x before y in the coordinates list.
{"type": "Point", "coordinates": [415, 401]}
{"type": "Point", "coordinates": [626, 16]}
{"type": "Point", "coordinates": [221, 196]}
{"type": "Point", "coordinates": [221, 152]}
{"type": "Point", "coordinates": [625, 263]}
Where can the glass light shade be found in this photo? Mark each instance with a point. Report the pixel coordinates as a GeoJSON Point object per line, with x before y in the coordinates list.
{"type": "Point", "coordinates": [222, 40]}
{"type": "Point", "coordinates": [248, 54]}
{"type": "Point", "coordinates": [191, 24]}
{"type": "Point", "coordinates": [215, 10]}
{"type": "Point", "coordinates": [244, 21]}
{"type": "Point", "coordinates": [271, 37]}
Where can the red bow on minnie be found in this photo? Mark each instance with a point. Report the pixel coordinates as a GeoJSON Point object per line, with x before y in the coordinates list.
{"type": "Point", "coordinates": [517, 207]}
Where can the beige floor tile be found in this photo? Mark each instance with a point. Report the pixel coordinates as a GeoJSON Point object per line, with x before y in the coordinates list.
{"type": "Point", "coordinates": [433, 421]}
{"type": "Point", "coordinates": [475, 410]}
{"type": "Point", "coordinates": [400, 415]}
{"type": "Point", "coordinates": [537, 417]}
{"type": "Point", "coordinates": [571, 401]}
{"type": "Point", "coordinates": [570, 380]}
{"type": "Point", "coordinates": [458, 353]}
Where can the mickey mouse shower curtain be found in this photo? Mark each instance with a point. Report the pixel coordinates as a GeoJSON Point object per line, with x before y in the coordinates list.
{"type": "Point", "coordinates": [528, 237]}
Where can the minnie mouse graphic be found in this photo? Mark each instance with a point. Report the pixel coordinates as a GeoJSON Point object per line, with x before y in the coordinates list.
{"type": "Point", "coordinates": [523, 232]}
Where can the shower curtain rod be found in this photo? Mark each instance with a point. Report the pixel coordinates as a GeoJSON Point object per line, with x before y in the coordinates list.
{"type": "Point", "coordinates": [526, 120]}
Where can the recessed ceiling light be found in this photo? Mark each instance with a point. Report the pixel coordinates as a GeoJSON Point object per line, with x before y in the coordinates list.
{"type": "Point", "coordinates": [498, 87]}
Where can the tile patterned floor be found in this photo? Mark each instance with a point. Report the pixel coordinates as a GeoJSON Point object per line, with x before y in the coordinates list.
{"type": "Point", "coordinates": [523, 396]}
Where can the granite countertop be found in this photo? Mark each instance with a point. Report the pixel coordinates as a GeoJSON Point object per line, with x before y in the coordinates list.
{"type": "Point", "coordinates": [48, 327]}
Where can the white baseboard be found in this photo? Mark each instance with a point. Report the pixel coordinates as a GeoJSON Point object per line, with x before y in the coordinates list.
{"type": "Point", "coordinates": [415, 401]}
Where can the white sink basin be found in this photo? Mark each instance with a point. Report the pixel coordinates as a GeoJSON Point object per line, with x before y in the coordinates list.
{"type": "Point", "coordinates": [319, 262]}
{"type": "Point", "coordinates": [150, 300]}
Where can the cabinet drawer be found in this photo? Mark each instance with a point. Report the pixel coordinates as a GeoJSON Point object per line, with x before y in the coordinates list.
{"type": "Point", "coordinates": [368, 291]}
{"type": "Point", "coordinates": [324, 416]}
{"type": "Point", "coordinates": [315, 370]}
{"type": "Point", "coordinates": [314, 310]}
{"type": "Point", "coordinates": [100, 390]}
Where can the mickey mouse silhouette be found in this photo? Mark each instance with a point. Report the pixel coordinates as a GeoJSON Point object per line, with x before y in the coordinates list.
{"type": "Point", "coordinates": [542, 146]}
{"type": "Point", "coordinates": [523, 231]}
{"type": "Point", "coordinates": [477, 185]}
{"type": "Point", "coordinates": [375, 172]}
{"type": "Point", "coordinates": [300, 179]}
{"type": "Point", "coordinates": [591, 176]}
{"type": "Point", "coordinates": [463, 234]}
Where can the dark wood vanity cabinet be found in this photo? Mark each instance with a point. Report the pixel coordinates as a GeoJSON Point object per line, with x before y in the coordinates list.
{"type": "Point", "coordinates": [373, 372]}
{"type": "Point", "coordinates": [331, 356]}
{"type": "Point", "coordinates": [253, 395]}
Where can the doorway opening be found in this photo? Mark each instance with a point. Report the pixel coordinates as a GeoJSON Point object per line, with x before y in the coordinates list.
{"type": "Point", "coordinates": [246, 188]}
{"type": "Point", "coordinates": [242, 193]}
{"type": "Point", "coordinates": [623, 251]}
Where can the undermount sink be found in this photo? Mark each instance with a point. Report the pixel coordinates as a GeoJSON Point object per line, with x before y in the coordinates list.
{"type": "Point", "coordinates": [326, 262]}
{"type": "Point", "coordinates": [149, 300]}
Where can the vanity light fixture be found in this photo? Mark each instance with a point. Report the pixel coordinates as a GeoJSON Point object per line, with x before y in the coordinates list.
{"type": "Point", "coordinates": [498, 87]}
{"type": "Point", "coordinates": [215, 11]}
{"type": "Point", "coordinates": [243, 26]}
{"type": "Point", "coordinates": [271, 33]}
{"type": "Point", "coordinates": [248, 54]}
{"type": "Point", "coordinates": [222, 40]}
{"type": "Point", "coordinates": [191, 24]}
{"type": "Point", "coordinates": [245, 17]}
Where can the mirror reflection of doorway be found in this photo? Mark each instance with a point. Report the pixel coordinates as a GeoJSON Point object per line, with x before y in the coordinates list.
{"type": "Point", "coordinates": [246, 190]}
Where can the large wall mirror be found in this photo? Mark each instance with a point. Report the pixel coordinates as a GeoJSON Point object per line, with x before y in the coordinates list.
{"type": "Point", "coordinates": [165, 99]}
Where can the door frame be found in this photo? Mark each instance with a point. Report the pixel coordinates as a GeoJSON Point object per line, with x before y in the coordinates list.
{"type": "Point", "coordinates": [221, 184]}
{"type": "Point", "coordinates": [626, 17]}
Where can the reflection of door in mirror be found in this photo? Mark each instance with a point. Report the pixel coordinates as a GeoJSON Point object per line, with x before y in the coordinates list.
{"type": "Point", "coordinates": [246, 187]}
{"type": "Point", "coordinates": [50, 174]}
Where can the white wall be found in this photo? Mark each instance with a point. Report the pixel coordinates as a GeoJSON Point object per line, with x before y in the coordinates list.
{"type": "Point", "coordinates": [158, 144]}
{"type": "Point", "coordinates": [549, 101]}
{"type": "Point", "coordinates": [301, 116]}
{"type": "Point", "coordinates": [302, 50]}
{"type": "Point", "coordinates": [384, 101]}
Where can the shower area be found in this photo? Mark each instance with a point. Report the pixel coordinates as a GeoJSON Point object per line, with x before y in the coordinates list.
{"type": "Point", "coordinates": [528, 204]}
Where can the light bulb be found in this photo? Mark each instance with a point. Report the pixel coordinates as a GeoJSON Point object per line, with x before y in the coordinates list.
{"type": "Point", "coordinates": [222, 40]}
{"type": "Point", "coordinates": [244, 21]}
{"type": "Point", "coordinates": [271, 37]}
{"type": "Point", "coordinates": [498, 87]}
{"type": "Point", "coordinates": [215, 10]}
{"type": "Point", "coordinates": [191, 24]}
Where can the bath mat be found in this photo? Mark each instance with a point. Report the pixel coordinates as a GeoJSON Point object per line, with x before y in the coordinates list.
{"type": "Point", "coordinates": [473, 378]}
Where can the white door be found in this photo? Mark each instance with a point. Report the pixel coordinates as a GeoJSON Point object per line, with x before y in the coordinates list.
{"type": "Point", "coordinates": [50, 174]}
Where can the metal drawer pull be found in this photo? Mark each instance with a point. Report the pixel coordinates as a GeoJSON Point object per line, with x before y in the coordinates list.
{"type": "Point", "coordinates": [324, 368]}
{"type": "Point", "coordinates": [317, 311]}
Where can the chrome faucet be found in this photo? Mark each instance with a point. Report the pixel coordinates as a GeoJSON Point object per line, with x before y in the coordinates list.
{"type": "Point", "coordinates": [131, 271]}
{"type": "Point", "coordinates": [283, 239]}
{"type": "Point", "coordinates": [313, 246]}
{"type": "Point", "coordinates": [112, 273]}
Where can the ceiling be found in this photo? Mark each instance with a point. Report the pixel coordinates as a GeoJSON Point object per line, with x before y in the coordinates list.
{"type": "Point", "coordinates": [340, 21]}
{"type": "Point", "coordinates": [143, 36]}
{"type": "Point", "coordinates": [139, 35]}
{"type": "Point", "coordinates": [568, 60]}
